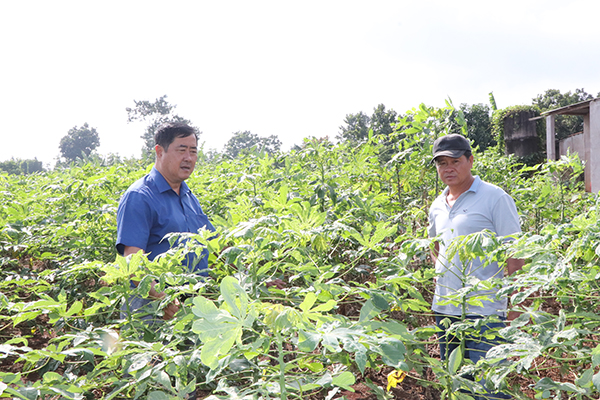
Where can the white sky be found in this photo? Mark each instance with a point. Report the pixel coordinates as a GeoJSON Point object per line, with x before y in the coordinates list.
{"type": "Point", "coordinates": [291, 69]}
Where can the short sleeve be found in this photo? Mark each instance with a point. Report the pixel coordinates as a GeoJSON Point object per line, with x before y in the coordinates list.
{"type": "Point", "coordinates": [506, 217]}
{"type": "Point", "coordinates": [431, 226]}
{"type": "Point", "coordinates": [434, 211]}
{"type": "Point", "coordinates": [134, 219]}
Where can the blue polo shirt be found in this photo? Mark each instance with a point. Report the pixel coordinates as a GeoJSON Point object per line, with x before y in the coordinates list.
{"type": "Point", "coordinates": [150, 209]}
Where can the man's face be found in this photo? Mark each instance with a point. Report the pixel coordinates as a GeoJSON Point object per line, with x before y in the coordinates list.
{"type": "Point", "coordinates": [454, 171]}
{"type": "Point", "coordinates": [177, 162]}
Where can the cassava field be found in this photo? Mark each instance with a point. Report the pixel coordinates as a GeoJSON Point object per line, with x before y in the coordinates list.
{"type": "Point", "coordinates": [344, 226]}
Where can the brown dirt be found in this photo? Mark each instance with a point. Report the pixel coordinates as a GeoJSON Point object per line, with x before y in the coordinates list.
{"type": "Point", "coordinates": [37, 333]}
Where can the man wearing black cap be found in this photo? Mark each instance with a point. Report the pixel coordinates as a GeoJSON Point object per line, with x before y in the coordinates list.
{"type": "Point", "coordinates": [467, 205]}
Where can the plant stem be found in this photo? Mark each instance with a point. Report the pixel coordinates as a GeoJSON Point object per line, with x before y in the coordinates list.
{"type": "Point", "coordinates": [281, 361]}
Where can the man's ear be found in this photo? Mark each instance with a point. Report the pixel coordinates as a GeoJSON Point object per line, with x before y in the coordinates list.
{"type": "Point", "coordinates": [159, 150]}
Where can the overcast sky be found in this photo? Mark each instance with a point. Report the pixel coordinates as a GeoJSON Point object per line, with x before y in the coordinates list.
{"type": "Point", "coordinates": [291, 69]}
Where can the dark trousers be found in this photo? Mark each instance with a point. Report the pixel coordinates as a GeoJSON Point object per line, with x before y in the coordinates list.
{"type": "Point", "coordinates": [476, 345]}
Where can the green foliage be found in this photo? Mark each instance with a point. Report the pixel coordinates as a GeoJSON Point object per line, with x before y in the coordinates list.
{"type": "Point", "coordinates": [493, 101]}
{"type": "Point", "coordinates": [357, 126]}
{"type": "Point", "coordinates": [246, 141]}
{"type": "Point", "coordinates": [153, 114]}
{"type": "Point", "coordinates": [479, 125]}
{"type": "Point", "coordinates": [498, 118]}
{"type": "Point", "coordinates": [21, 167]}
{"type": "Point", "coordinates": [564, 125]}
{"type": "Point", "coordinates": [343, 226]}
{"type": "Point", "coordinates": [79, 142]}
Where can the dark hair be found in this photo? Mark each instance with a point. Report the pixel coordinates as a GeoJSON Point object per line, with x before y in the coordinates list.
{"type": "Point", "coordinates": [468, 154]}
{"type": "Point", "coordinates": [167, 132]}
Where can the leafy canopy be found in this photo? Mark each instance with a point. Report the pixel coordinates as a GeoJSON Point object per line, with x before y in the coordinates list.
{"type": "Point", "coordinates": [79, 142]}
{"type": "Point", "coordinates": [154, 114]}
{"type": "Point", "coordinates": [17, 166]}
{"type": "Point", "coordinates": [565, 125]}
{"type": "Point", "coordinates": [243, 141]}
{"type": "Point", "coordinates": [357, 126]}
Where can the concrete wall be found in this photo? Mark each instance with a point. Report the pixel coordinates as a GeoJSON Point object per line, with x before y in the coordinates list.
{"type": "Point", "coordinates": [586, 145]}
{"type": "Point", "coordinates": [520, 134]}
{"type": "Point", "coordinates": [573, 144]}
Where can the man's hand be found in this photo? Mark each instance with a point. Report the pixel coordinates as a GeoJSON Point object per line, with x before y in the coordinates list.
{"type": "Point", "coordinates": [171, 309]}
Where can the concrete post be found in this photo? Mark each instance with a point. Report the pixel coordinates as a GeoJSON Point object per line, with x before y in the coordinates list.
{"type": "Point", "coordinates": [584, 155]}
{"type": "Point", "coordinates": [594, 147]}
{"type": "Point", "coordinates": [550, 138]}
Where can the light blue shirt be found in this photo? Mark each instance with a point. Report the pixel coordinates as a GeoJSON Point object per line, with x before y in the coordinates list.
{"type": "Point", "coordinates": [483, 206]}
{"type": "Point", "coordinates": [150, 209]}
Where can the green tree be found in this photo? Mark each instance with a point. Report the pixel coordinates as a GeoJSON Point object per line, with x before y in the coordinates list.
{"type": "Point", "coordinates": [243, 141]}
{"type": "Point", "coordinates": [357, 126]}
{"type": "Point", "coordinates": [154, 114]}
{"type": "Point", "coordinates": [382, 120]}
{"type": "Point", "coordinates": [493, 101]}
{"type": "Point", "coordinates": [21, 167]}
{"type": "Point", "coordinates": [565, 125]}
{"type": "Point", "coordinates": [79, 142]}
{"type": "Point", "coordinates": [479, 125]}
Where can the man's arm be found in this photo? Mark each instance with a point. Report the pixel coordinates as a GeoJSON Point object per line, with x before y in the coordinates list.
{"type": "Point", "coordinates": [513, 265]}
{"type": "Point", "coordinates": [171, 309]}
{"type": "Point", "coordinates": [435, 252]}
{"type": "Point", "coordinates": [434, 255]}
{"type": "Point", "coordinates": [128, 250]}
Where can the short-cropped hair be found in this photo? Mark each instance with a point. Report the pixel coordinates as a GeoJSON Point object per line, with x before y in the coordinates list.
{"type": "Point", "coordinates": [167, 132]}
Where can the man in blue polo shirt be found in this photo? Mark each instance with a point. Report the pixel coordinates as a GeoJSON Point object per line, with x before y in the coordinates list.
{"type": "Point", "coordinates": [467, 205]}
{"type": "Point", "coordinates": [161, 203]}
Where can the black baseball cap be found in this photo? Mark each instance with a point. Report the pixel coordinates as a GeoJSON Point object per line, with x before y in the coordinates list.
{"type": "Point", "coordinates": [453, 145]}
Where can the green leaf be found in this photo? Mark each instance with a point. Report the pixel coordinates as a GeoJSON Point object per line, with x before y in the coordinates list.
{"type": "Point", "coordinates": [52, 377]}
{"type": "Point", "coordinates": [163, 378]}
{"type": "Point", "coordinates": [455, 360]}
{"type": "Point", "coordinates": [75, 309]}
{"type": "Point", "coordinates": [204, 308]}
{"type": "Point", "coordinates": [309, 301]}
{"type": "Point", "coordinates": [344, 380]}
{"type": "Point", "coordinates": [367, 311]}
{"type": "Point", "coordinates": [139, 361]}
{"type": "Point", "coordinates": [360, 357]}
{"type": "Point", "coordinates": [211, 329]}
{"type": "Point", "coordinates": [308, 341]}
{"type": "Point", "coordinates": [235, 297]}
{"type": "Point", "coordinates": [596, 356]}
{"type": "Point", "coordinates": [585, 380]}
{"type": "Point", "coordinates": [380, 302]}
{"type": "Point", "coordinates": [393, 351]}
{"type": "Point", "coordinates": [158, 395]}
{"type": "Point", "coordinates": [596, 381]}
{"type": "Point", "coordinates": [213, 349]}
{"type": "Point", "coordinates": [328, 306]}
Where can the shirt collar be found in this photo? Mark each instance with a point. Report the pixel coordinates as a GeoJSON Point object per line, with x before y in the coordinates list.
{"type": "Point", "coordinates": [476, 184]}
{"type": "Point", "coordinates": [162, 185]}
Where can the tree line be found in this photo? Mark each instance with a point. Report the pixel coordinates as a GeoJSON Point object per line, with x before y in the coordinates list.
{"type": "Point", "coordinates": [81, 142]}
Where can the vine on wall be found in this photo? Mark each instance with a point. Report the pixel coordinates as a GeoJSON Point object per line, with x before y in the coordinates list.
{"type": "Point", "coordinates": [498, 118]}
